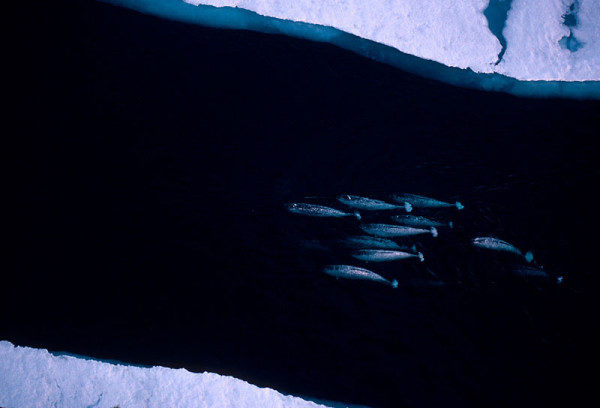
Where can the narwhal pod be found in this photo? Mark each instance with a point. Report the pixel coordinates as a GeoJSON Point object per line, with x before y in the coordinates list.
{"type": "Point", "coordinates": [369, 204]}
{"type": "Point", "coordinates": [389, 231]}
{"type": "Point", "coordinates": [354, 272]}
{"type": "Point", "coordinates": [496, 244]}
{"type": "Point", "coordinates": [417, 201]}
{"type": "Point", "coordinates": [314, 210]}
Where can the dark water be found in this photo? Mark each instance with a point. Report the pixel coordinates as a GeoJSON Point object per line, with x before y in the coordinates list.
{"type": "Point", "coordinates": [150, 227]}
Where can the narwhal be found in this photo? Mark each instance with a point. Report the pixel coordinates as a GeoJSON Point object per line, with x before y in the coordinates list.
{"type": "Point", "coordinates": [534, 272]}
{"type": "Point", "coordinates": [388, 231]}
{"type": "Point", "coordinates": [369, 242]}
{"type": "Point", "coordinates": [418, 221]}
{"type": "Point", "coordinates": [369, 204]}
{"type": "Point", "coordinates": [384, 255]}
{"type": "Point", "coordinates": [424, 202]}
{"type": "Point", "coordinates": [354, 272]}
{"type": "Point", "coordinates": [314, 210]}
{"type": "Point", "coordinates": [499, 245]}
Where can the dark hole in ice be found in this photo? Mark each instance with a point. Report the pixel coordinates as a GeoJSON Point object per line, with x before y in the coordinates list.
{"type": "Point", "coordinates": [570, 43]}
{"type": "Point", "coordinates": [496, 13]}
{"type": "Point", "coordinates": [570, 20]}
{"type": "Point", "coordinates": [570, 17]}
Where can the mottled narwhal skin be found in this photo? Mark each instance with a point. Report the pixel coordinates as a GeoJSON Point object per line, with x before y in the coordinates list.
{"type": "Point", "coordinates": [369, 242]}
{"type": "Point", "coordinates": [389, 231]}
{"type": "Point", "coordinates": [314, 210]}
{"type": "Point", "coordinates": [424, 202]}
{"type": "Point", "coordinates": [367, 204]}
{"type": "Point", "coordinates": [499, 245]}
{"type": "Point", "coordinates": [384, 255]}
{"type": "Point", "coordinates": [354, 272]}
{"type": "Point", "coordinates": [418, 221]}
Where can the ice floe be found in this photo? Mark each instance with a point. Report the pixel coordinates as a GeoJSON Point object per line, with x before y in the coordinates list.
{"type": "Point", "coordinates": [457, 34]}
{"type": "Point", "coordinates": [446, 41]}
{"type": "Point", "coordinates": [36, 378]}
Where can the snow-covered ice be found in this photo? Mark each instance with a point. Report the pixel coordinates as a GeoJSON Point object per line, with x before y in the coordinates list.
{"type": "Point", "coordinates": [438, 39]}
{"type": "Point", "coordinates": [533, 33]}
{"type": "Point", "coordinates": [456, 33]}
{"type": "Point", "coordinates": [36, 378]}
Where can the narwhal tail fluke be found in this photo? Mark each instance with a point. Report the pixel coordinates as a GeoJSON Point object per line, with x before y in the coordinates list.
{"type": "Point", "coordinates": [528, 256]}
{"type": "Point", "coordinates": [394, 284]}
{"type": "Point", "coordinates": [413, 248]}
{"type": "Point", "coordinates": [451, 224]}
{"type": "Point", "coordinates": [408, 207]}
{"type": "Point", "coordinates": [459, 205]}
{"type": "Point", "coordinates": [357, 215]}
{"type": "Point", "coordinates": [421, 257]}
{"type": "Point", "coordinates": [434, 231]}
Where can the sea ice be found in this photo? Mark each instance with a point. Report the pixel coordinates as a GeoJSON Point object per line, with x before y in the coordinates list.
{"type": "Point", "coordinates": [457, 33]}
{"type": "Point", "coordinates": [533, 32]}
{"type": "Point", "coordinates": [446, 41]}
{"type": "Point", "coordinates": [454, 34]}
{"type": "Point", "coordinates": [35, 378]}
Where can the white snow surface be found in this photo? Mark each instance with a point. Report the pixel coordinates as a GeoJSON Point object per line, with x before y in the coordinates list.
{"type": "Point", "coordinates": [35, 378]}
{"type": "Point", "coordinates": [533, 30]}
{"type": "Point", "coordinates": [456, 33]}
